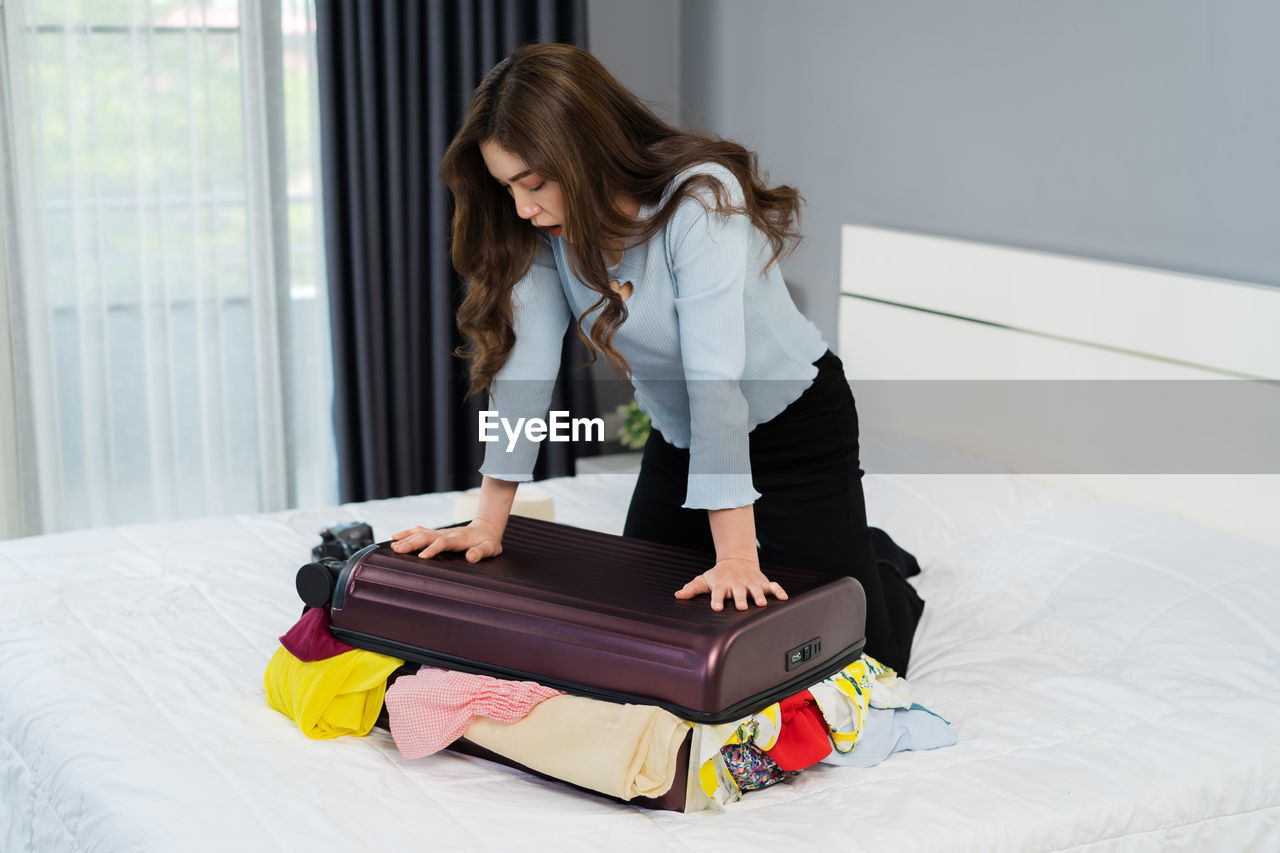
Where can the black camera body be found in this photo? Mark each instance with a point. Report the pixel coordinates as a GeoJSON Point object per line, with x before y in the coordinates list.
{"type": "Point", "coordinates": [317, 579]}
{"type": "Point", "coordinates": [342, 540]}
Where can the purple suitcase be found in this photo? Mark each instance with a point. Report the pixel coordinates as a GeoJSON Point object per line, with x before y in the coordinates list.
{"type": "Point", "coordinates": [595, 614]}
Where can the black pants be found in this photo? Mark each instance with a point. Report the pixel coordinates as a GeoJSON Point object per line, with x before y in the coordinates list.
{"type": "Point", "coordinates": [811, 512]}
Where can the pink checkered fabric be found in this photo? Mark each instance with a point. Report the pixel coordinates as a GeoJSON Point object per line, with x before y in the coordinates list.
{"type": "Point", "coordinates": [430, 710]}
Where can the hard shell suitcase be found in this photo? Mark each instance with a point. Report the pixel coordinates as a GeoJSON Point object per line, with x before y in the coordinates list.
{"type": "Point", "coordinates": [596, 615]}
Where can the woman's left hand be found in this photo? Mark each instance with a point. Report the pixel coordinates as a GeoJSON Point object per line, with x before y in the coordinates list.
{"type": "Point", "coordinates": [736, 576]}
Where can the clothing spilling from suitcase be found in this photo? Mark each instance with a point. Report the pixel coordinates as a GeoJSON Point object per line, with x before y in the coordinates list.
{"type": "Point", "coordinates": [568, 657]}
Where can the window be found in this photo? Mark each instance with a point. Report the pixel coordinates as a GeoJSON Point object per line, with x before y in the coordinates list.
{"type": "Point", "coordinates": [170, 333]}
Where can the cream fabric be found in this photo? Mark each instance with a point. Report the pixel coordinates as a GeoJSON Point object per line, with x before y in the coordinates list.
{"type": "Point", "coordinates": [622, 750]}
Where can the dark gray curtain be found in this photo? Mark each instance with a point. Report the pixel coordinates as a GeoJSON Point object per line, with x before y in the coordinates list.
{"type": "Point", "coordinates": [395, 80]}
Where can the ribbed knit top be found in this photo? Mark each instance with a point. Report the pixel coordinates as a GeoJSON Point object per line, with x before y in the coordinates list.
{"type": "Point", "coordinates": [715, 344]}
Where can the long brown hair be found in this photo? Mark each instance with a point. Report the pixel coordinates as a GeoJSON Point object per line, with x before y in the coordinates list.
{"type": "Point", "coordinates": [556, 108]}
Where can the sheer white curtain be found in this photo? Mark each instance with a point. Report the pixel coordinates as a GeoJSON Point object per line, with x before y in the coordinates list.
{"type": "Point", "coordinates": [169, 334]}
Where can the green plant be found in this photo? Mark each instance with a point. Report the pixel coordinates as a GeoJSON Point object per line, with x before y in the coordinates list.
{"type": "Point", "coordinates": [634, 431]}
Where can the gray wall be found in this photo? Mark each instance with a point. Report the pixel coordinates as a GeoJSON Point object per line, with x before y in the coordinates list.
{"type": "Point", "coordinates": [639, 42]}
{"type": "Point", "coordinates": [1142, 131]}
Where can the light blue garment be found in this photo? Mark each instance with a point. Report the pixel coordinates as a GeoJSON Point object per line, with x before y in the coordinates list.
{"type": "Point", "coordinates": [715, 344]}
{"type": "Point", "coordinates": [886, 731]}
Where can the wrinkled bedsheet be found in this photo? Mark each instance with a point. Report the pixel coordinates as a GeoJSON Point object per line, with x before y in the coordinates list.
{"type": "Point", "coordinates": [1112, 673]}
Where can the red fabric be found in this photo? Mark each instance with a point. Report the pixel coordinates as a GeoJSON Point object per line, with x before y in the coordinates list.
{"type": "Point", "coordinates": [310, 639]}
{"type": "Point", "coordinates": [803, 740]}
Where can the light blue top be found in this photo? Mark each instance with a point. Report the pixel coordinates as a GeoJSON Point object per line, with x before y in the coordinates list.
{"type": "Point", "coordinates": [714, 342]}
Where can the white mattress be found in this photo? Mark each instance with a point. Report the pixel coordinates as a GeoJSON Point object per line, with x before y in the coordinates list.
{"type": "Point", "coordinates": [1113, 675]}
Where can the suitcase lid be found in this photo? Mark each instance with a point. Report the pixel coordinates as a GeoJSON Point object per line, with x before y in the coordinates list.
{"type": "Point", "coordinates": [596, 614]}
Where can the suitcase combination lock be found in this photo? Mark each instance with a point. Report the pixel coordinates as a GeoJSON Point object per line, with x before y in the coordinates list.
{"type": "Point", "coordinates": [801, 655]}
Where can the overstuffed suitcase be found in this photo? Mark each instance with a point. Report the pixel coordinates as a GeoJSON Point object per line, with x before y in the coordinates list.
{"type": "Point", "coordinates": [596, 615]}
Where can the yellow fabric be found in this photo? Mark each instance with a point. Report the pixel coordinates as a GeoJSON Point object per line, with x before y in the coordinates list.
{"type": "Point", "coordinates": [341, 695]}
{"type": "Point", "coordinates": [622, 750]}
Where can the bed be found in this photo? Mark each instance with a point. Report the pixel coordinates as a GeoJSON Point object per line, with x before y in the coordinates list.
{"type": "Point", "coordinates": [1107, 652]}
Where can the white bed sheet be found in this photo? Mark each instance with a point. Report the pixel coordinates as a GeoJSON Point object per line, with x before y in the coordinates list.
{"type": "Point", "coordinates": [1113, 675]}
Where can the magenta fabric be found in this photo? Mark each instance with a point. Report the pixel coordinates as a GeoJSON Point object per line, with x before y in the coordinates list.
{"type": "Point", "coordinates": [310, 640]}
{"type": "Point", "coordinates": [430, 710]}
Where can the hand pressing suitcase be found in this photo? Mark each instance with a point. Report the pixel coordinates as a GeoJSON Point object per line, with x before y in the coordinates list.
{"type": "Point", "coordinates": [594, 614]}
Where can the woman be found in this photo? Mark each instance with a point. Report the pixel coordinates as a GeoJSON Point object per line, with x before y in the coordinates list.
{"type": "Point", "coordinates": [574, 203]}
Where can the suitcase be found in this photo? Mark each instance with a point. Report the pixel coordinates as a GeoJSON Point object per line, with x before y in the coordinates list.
{"type": "Point", "coordinates": [595, 614]}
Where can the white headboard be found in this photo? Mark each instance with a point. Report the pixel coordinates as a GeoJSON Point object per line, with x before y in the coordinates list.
{"type": "Point", "coordinates": [917, 307]}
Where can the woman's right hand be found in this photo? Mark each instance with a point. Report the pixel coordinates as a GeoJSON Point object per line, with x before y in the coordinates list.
{"type": "Point", "coordinates": [479, 539]}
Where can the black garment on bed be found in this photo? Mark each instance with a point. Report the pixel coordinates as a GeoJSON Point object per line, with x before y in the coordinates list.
{"type": "Point", "coordinates": [811, 512]}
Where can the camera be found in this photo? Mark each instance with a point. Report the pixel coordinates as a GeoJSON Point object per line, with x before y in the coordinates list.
{"type": "Point", "coordinates": [317, 579]}
{"type": "Point", "coordinates": [342, 540]}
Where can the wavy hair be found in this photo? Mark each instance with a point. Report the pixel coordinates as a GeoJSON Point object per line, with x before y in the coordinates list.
{"type": "Point", "coordinates": [560, 111]}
